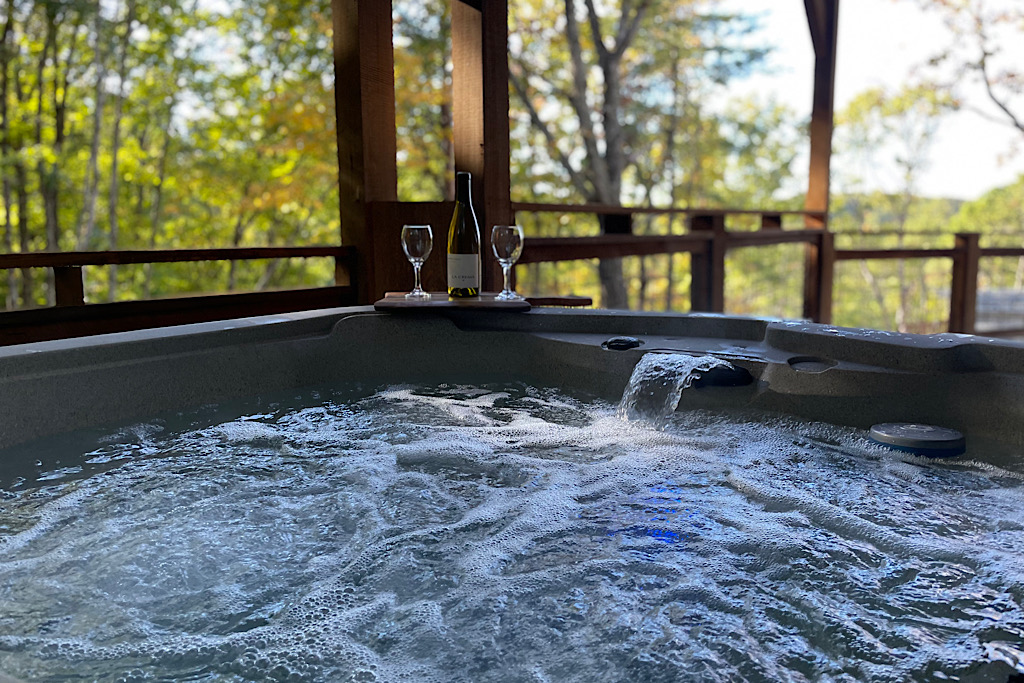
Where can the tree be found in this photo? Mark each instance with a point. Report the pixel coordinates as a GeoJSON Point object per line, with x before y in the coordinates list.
{"type": "Point", "coordinates": [166, 123]}
{"type": "Point", "coordinates": [981, 35]}
{"type": "Point", "coordinates": [880, 130]}
{"type": "Point", "coordinates": [613, 102]}
{"type": "Point", "coordinates": [423, 98]}
{"type": "Point", "coordinates": [999, 214]}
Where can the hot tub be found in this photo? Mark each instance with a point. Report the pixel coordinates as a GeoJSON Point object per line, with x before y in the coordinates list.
{"type": "Point", "coordinates": [846, 376]}
{"type": "Point", "coordinates": [451, 496]}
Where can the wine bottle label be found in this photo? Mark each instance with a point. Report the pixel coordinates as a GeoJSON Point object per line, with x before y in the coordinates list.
{"type": "Point", "coordinates": [463, 270]}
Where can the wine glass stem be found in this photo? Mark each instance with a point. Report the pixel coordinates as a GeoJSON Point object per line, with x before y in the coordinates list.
{"type": "Point", "coordinates": [506, 271]}
{"type": "Point", "coordinates": [416, 272]}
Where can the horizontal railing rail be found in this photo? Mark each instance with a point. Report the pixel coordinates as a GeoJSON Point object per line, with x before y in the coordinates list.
{"type": "Point", "coordinates": [883, 254]}
{"type": "Point", "coordinates": [72, 316]}
{"type": "Point", "coordinates": [610, 209]}
{"type": "Point", "coordinates": [63, 259]}
{"type": "Point", "coordinates": [542, 249]}
{"type": "Point", "coordinates": [708, 240]}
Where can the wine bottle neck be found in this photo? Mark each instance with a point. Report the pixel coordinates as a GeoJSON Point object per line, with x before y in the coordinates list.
{"type": "Point", "coordinates": [462, 191]}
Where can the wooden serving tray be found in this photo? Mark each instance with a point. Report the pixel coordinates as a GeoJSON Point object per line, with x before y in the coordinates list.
{"type": "Point", "coordinates": [438, 300]}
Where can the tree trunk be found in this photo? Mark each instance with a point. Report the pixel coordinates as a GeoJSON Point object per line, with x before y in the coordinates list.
{"type": "Point", "coordinates": [236, 240]}
{"type": "Point", "coordinates": [49, 174]}
{"type": "Point", "coordinates": [115, 143]}
{"type": "Point", "coordinates": [11, 300]}
{"type": "Point", "coordinates": [90, 191]}
{"type": "Point", "coordinates": [45, 171]}
{"type": "Point", "coordinates": [24, 235]}
{"type": "Point", "coordinates": [448, 150]}
{"type": "Point", "coordinates": [156, 219]}
{"type": "Point", "coordinates": [678, 101]}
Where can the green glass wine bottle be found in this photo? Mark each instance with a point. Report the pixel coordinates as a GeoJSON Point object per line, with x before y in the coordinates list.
{"type": "Point", "coordinates": [463, 243]}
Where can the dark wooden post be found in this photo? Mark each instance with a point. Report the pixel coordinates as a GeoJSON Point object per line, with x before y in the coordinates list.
{"type": "Point", "coordinates": [615, 223]}
{"type": "Point", "coordinates": [68, 286]}
{"type": "Point", "coordinates": [823, 21]}
{"type": "Point", "coordinates": [342, 271]}
{"type": "Point", "coordinates": [771, 221]}
{"type": "Point", "coordinates": [963, 299]}
{"type": "Point", "coordinates": [364, 94]}
{"type": "Point", "coordinates": [818, 278]}
{"type": "Point", "coordinates": [707, 286]}
{"type": "Point", "coordinates": [480, 115]}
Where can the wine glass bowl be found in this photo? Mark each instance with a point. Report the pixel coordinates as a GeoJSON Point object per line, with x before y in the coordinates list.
{"type": "Point", "coordinates": [417, 241]}
{"type": "Point", "coordinates": [507, 244]}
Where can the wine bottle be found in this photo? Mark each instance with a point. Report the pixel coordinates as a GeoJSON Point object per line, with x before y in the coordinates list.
{"type": "Point", "coordinates": [463, 243]}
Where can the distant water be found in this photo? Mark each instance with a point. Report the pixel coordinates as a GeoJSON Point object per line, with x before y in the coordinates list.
{"type": "Point", "coordinates": [506, 533]}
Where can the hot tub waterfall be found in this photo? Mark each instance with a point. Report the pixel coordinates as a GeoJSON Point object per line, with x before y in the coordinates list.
{"type": "Point", "coordinates": [658, 382]}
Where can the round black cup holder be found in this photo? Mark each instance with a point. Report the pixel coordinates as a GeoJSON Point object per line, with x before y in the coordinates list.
{"type": "Point", "coordinates": [621, 343]}
{"type": "Point", "coordinates": [811, 364]}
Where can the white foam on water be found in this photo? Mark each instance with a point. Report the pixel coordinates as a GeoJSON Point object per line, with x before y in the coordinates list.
{"type": "Point", "coordinates": [493, 534]}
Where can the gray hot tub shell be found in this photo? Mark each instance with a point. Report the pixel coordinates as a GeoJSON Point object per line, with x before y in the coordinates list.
{"type": "Point", "coordinates": [844, 376]}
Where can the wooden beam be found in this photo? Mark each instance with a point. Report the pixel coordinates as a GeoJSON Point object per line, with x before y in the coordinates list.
{"type": "Point", "coordinates": [364, 93]}
{"type": "Point", "coordinates": [707, 281]}
{"type": "Point", "coordinates": [771, 221]}
{"type": "Point", "coordinates": [823, 20]}
{"type": "Point", "coordinates": [771, 236]}
{"type": "Point", "coordinates": [69, 286]}
{"type": "Point", "coordinates": [468, 117]}
{"type": "Point", "coordinates": [69, 259]}
{"type": "Point", "coordinates": [819, 276]}
{"type": "Point", "coordinates": [480, 115]}
{"type": "Point", "coordinates": [1017, 252]}
{"type": "Point", "coordinates": [963, 299]}
{"type": "Point", "coordinates": [536, 207]}
{"type": "Point", "coordinates": [388, 219]}
{"type": "Point", "coordinates": [542, 249]}
{"type": "Point", "coordinates": [497, 180]}
{"type": "Point", "coordinates": [817, 22]}
{"type": "Point", "coordinates": [872, 254]}
{"type": "Point", "coordinates": [467, 91]}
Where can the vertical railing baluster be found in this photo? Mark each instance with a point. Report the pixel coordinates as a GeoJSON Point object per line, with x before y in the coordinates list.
{"type": "Point", "coordinates": [707, 286]}
{"type": "Point", "coordinates": [68, 286]}
{"type": "Point", "coordinates": [819, 269]}
{"type": "Point", "coordinates": [771, 221]}
{"type": "Point", "coordinates": [963, 296]}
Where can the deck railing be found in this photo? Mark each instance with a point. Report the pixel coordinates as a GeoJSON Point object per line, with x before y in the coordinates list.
{"type": "Point", "coordinates": [71, 317]}
{"type": "Point", "coordinates": [708, 241]}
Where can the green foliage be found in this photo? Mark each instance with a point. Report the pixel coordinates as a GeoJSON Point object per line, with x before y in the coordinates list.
{"type": "Point", "coordinates": [186, 123]}
{"type": "Point", "coordinates": [603, 115]}
{"type": "Point", "coordinates": [423, 94]}
{"type": "Point", "coordinates": [999, 216]}
{"type": "Point", "coordinates": [166, 124]}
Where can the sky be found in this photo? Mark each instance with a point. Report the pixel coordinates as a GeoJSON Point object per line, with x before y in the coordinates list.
{"type": "Point", "coordinates": [880, 43]}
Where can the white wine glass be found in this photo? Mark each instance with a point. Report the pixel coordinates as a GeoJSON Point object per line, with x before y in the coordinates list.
{"type": "Point", "coordinates": [417, 241]}
{"type": "Point", "coordinates": [507, 243]}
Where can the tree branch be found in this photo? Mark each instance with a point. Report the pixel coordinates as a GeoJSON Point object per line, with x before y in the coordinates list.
{"type": "Point", "coordinates": [575, 176]}
{"type": "Point", "coordinates": [595, 29]}
{"type": "Point", "coordinates": [599, 176]}
{"type": "Point", "coordinates": [627, 32]}
{"type": "Point", "coordinates": [987, 79]}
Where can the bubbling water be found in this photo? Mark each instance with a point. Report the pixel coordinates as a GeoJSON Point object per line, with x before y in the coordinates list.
{"type": "Point", "coordinates": [510, 534]}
